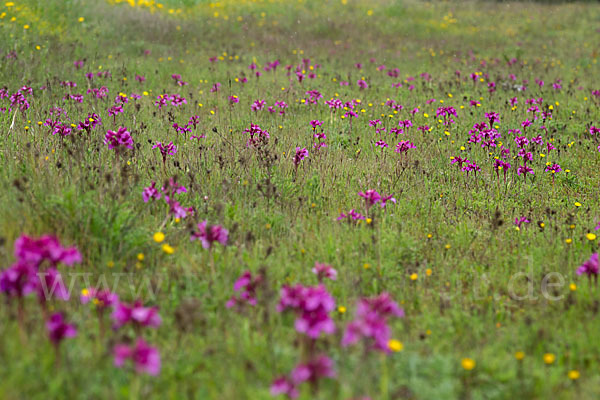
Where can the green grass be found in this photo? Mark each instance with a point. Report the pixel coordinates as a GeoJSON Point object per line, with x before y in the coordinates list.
{"type": "Point", "coordinates": [457, 226]}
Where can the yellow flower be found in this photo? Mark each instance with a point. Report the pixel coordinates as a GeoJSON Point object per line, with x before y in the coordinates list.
{"type": "Point", "coordinates": [468, 363]}
{"type": "Point", "coordinates": [110, 264]}
{"type": "Point", "coordinates": [369, 220]}
{"type": "Point", "coordinates": [85, 292]}
{"type": "Point", "coordinates": [577, 204]}
{"type": "Point", "coordinates": [140, 256]}
{"type": "Point", "coordinates": [267, 226]}
{"type": "Point", "coordinates": [341, 309]}
{"type": "Point", "coordinates": [158, 237]}
{"type": "Point", "coordinates": [366, 265]}
{"type": "Point", "coordinates": [81, 19]}
{"type": "Point", "coordinates": [395, 345]}
{"type": "Point", "coordinates": [414, 276]}
{"type": "Point", "coordinates": [591, 236]}
{"type": "Point", "coordinates": [448, 247]}
{"type": "Point", "coordinates": [568, 241]}
{"type": "Point", "coordinates": [428, 272]}
{"type": "Point", "coordinates": [549, 358]}
{"type": "Point", "coordinates": [573, 375]}
{"type": "Point", "coordinates": [168, 249]}
{"type": "Point", "coordinates": [519, 355]}
{"type": "Point", "coordinates": [25, 26]}
{"type": "Point", "coordinates": [572, 287]}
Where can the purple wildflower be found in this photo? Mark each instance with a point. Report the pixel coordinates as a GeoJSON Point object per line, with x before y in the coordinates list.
{"type": "Point", "coordinates": [145, 357]}
{"type": "Point", "coordinates": [209, 234]}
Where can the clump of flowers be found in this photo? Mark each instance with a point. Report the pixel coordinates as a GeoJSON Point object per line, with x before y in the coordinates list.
{"type": "Point", "coordinates": [136, 314]}
{"type": "Point", "coordinates": [119, 139]}
{"type": "Point", "coordinates": [208, 235]}
{"type": "Point", "coordinates": [324, 271]}
{"type": "Point", "coordinates": [312, 306]}
{"type": "Point", "coordinates": [590, 268]}
{"type": "Point", "coordinates": [145, 358]}
{"type": "Point", "coordinates": [59, 329]}
{"type": "Point", "coordinates": [246, 285]}
{"type": "Point", "coordinates": [371, 322]}
{"type": "Point", "coordinates": [258, 136]}
{"type": "Point", "coordinates": [165, 150]}
{"type": "Point", "coordinates": [321, 366]}
{"type": "Point", "coordinates": [168, 193]}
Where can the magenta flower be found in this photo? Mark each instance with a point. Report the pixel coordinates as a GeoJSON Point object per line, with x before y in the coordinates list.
{"type": "Point", "coordinates": [520, 221]}
{"type": "Point", "coordinates": [371, 197]}
{"type": "Point", "coordinates": [150, 192]}
{"type": "Point", "coordinates": [209, 234]}
{"type": "Point", "coordinates": [46, 248]}
{"type": "Point", "coordinates": [501, 165]}
{"type": "Point", "coordinates": [145, 358]}
{"type": "Point", "coordinates": [370, 322]}
{"type": "Point", "coordinates": [258, 105]}
{"type": "Point", "coordinates": [312, 306]}
{"type": "Point", "coordinates": [471, 166]}
{"type": "Point", "coordinates": [257, 137]}
{"type": "Point", "coordinates": [385, 199]}
{"type": "Point", "coordinates": [93, 120]}
{"type": "Point", "coordinates": [381, 143]}
{"type": "Point", "coordinates": [589, 267]}
{"type": "Point", "coordinates": [19, 280]}
{"type": "Point", "coordinates": [404, 145]}
{"type": "Point", "coordinates": [524, 169]}
{"type": "Point", "coordinates": [246, 285]}
{"type": "Point", "coordinates": [314, 123]}
{"type": "Point", "coordinates": [554, 168]}
{"type": "Point", "coordinates": [316, 368]}
{"type": "Point", "coordinates": [324, 271]}
{"type": "Point", "coordinates": [362, 84]}
{"type": "Point", "coordinates": [352, 215]}
{"type": "Point", "coordinates": [175, 207]}
{"type": "Point", "coordinates": [135, 313]}
{"type": "Point", "coordinates": [119, 139]}
{"type": "Point", "coordinates": [521, 141]}
{"type": "Point", "coordinates": [166, 149]}
{"type": "Point", "coordinates": [59, 329]}
{"type": "Point", "coordinates": [301, 154]}
{"type": "Point", "coordinates": [284, 385]}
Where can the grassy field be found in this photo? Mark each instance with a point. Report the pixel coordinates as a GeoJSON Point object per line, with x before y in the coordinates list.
{"type": "Point", "coordinates": [287, 126]}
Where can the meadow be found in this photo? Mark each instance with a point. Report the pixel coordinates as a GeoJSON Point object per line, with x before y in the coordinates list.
{"type": "Point", "coordinates": [312, 199]}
